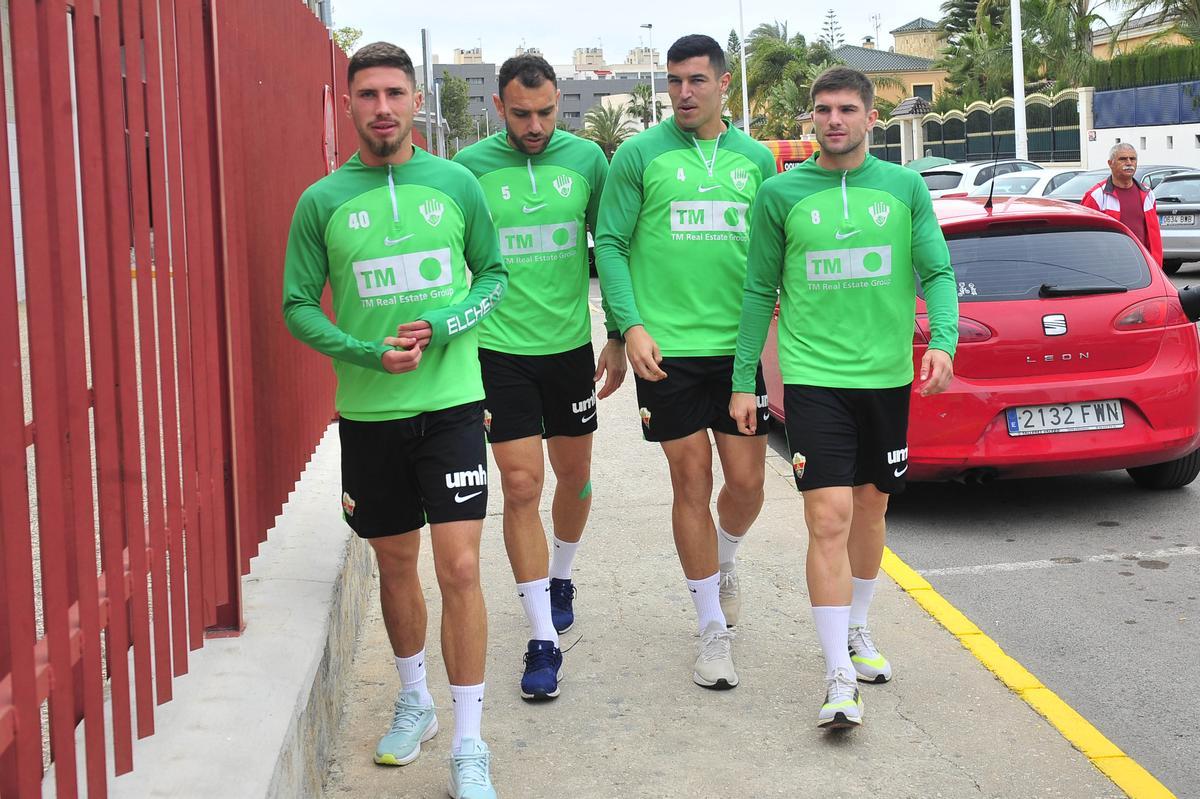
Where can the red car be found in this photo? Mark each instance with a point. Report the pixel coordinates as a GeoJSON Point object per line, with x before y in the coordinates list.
{"type": "Point", "coordinates": [1075, 354]}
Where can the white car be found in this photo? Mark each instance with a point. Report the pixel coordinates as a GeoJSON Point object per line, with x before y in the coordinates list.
{"type": "Point", "coordinates": [957, 180]}
{"type": "Point", "coordinates": [1026, 184]}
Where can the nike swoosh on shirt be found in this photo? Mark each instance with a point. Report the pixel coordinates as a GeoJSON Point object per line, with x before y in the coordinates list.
{"type": "Point", "coordinates": [900, 472]}
{"type": "Point", "coordinates": [529, 210]}
{"type": "Point", "coordinates": [461, 499]}
{"type": "Point", "coordinates": [709, 188]}
{"type": "Point", "coordinates": [840, 236]}
{"type": "Point", "coordinates": [589, 417]}
{"type": "Point", "coordinates": [390, 242]}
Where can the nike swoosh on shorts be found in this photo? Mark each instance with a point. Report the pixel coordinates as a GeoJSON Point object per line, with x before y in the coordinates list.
{"type": "Point", "coordinates": [461, 499]}
{"type": "Point", "coordinates": [589, 417]}
{"type": "Point", "coordinates": [900, 472]}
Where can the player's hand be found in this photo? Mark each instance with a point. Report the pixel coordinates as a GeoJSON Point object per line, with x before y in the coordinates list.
{"type": "Point", "coordinates": [743, 409]}
{"type": "Point", "coordinates": [399, 361]}
{"type": "Point", "coordinates": [937, 370]}
{"type": "Point", "coordinates": [420, 331]}
{"type": "Point", "coordinates": [643, 354]}
{"type": "Point", "coordinates": [611, 366]}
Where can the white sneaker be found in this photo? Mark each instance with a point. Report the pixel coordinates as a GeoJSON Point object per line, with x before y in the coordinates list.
{"type": "Point", "coordinates": [730, 595]}
{"type": "Point", "coordinates": [714, 664]}
{"type": "Point", "coordinates": [869, 664]}
{"type": "Point", "coordinates": [843, 706]}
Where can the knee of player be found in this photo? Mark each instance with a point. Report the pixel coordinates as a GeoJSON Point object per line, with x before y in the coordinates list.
{"type": "Point", "coordinates": [692, 481]}
{"type": "Point", "coordinates": [458, 571]}
{"type": "Point", "coordinates": [870, 501]}
{"type": "Point", "coordinates": [745, 484]}
{"type": "Point", "coordinates": [576, 478]}
{"type": "Point", "coordinates": [521, 486]}
{"type": "Point", "coordinates": [828, 521]}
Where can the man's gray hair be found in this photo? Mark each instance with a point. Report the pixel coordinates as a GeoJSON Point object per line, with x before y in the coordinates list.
{"type": "Point", "coordinates": [1118, 147]}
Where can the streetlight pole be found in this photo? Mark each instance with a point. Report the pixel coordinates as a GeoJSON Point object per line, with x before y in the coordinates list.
{"type": "Point", "coordinates": [745, 90]}
{"type": "Point", "coordinates": [653, 94]}
{"type": "Point", "coordinates": [1018, 66]}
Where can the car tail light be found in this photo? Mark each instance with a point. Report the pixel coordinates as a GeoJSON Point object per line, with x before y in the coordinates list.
{"type": "Point", "coordinates": [1157, 312]}
{"type": "Point", "coordinates": [969, 331]}
{"type": "Point", "coordinates": [955, 194]}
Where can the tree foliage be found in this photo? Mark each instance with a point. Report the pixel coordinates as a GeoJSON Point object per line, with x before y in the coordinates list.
{"type": "Point", "coordinates": [455, 100]}
{"type": "Point", "coordinates": [640, 107]}
{"type": "Point", "coordinates": [346, 38]}
{"type": "Point", "coordinates": [608, 126]}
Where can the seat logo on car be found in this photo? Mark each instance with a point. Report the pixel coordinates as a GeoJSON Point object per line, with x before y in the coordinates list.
{"type": "Point", "coordinates": [1054, 324]}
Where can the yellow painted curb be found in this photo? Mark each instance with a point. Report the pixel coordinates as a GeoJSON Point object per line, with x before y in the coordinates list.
{"type": "Point", "coordinates": [1126, 773]}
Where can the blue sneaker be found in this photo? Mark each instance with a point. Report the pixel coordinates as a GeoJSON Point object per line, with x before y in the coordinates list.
{"type": "Point", "coordinates": [470, 771]}
{"type": "Point", "coordinates": [543, 670]}
{"type": "Point", "coordinates": [412, 725]}
{"type": "Point", "coordinates": [562, 598]}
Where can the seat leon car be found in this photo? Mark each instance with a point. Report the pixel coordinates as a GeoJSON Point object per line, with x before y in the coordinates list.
{"type": "Point", "coordinates": [1076, 353]}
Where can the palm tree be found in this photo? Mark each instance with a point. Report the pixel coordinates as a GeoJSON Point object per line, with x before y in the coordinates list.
{"type": "Point", "coordinates": [1182, 16]}
{"type": "Point", "coordinates": [639, 106]}
{"type": "Point", "coordinates": [607, 126]}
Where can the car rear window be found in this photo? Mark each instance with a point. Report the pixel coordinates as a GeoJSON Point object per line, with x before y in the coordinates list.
{"type": "Point", "coordinates": [1015, 265]}
{"type": "Point", "coordinates": [937, 181]}
{"type": "Point", "coordinates": [1178, 191]}
{"type": "Point", "coordinates": [1008, 185]}
{"type": "Point", "coordinates": [1076, 187]}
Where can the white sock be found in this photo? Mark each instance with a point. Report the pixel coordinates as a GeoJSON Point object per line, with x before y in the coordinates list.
{"type": "Point", "coordinates": [535, 598]}
{"type": "Point", "coordinates": [562, 558]}
{"type": "Point", "coordinates": [864, 590]}
{"type": "Point", "coordinates": [833, 628]}
{"type": "Point", "coordinates": [412, 676]}
{"type": "Point", "coordinates": [727, 545]}
{"type": "Point", "coordinates": [468, 712]}
{"type": "Point", "coordinates": [706, 595]}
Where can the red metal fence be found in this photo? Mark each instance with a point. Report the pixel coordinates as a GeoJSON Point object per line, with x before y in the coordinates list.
{"type": "Point", "coordinates": [161, 412]}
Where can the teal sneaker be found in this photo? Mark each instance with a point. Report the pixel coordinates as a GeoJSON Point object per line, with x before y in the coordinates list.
{"type": "Point", "coordinates": [470, 771]}
{"type": "Point", "coordinates": [412, 725]}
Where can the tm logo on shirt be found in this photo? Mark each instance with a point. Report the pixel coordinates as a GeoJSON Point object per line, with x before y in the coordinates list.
{"type": "Point", "coordinates": [416, 275]}
{"type": "Point", "coordinates": [707, 216]}
{"type": "Point", "coordinates": [539, 239]}
{"type": "Point", "coordinates": [856, 263]}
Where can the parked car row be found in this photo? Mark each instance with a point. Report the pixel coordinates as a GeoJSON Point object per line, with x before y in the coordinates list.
{"type": "Point", "coordinates": [1076, 353]}
{"type": "Point", "coordinates": [1176, 188]}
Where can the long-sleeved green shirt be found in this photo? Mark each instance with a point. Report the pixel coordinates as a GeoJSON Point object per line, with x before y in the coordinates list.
{"type": "Point", "coordinates": [395, 244]}
{"type": "Point", "coordinates": [673, 235]}
{"type": "Point", "coordinates": [839, 249]}
{"type": "Point", "coordinates": [542, 206]}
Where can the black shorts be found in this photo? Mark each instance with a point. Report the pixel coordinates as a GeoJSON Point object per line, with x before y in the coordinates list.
{"type": "Point", "coordinates": [538, 395]}
{"type": "Point", "coordinates": [694, 396]}
{"type": "Point", "coordinates": [398, 473]}
{"type": "Point", "coordinates": [847, 436]}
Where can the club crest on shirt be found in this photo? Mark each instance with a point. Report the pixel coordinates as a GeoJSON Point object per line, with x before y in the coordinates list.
{"type": "Point", "coordinates": [739, 178]}
{"type": "Point", "coordinates": [563, 185]}
{"type": "Point", "coordinates": [880, 212]}
{"type": "Point", "coordinates": [432, 210]}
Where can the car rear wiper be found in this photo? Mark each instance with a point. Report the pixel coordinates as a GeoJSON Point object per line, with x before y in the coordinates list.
{"type": "Point", "coordinates": [1048, 290]}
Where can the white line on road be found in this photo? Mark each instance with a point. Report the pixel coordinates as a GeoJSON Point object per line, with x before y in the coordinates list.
{"type": "Point", "coordinates": [1113, 557]}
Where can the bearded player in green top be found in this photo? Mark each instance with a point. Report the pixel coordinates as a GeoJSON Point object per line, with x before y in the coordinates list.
{"type": "Point", "coordinates": [839, 238]}
{"type": "Point", "coordinates": [543, 188]}
{"type": "Point", "coordinates": [394, 232]}
{"type": "Point", "coordinates": [671, 253]}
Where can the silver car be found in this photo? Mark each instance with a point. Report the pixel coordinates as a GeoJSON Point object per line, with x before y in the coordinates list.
{"type": "Point", "coordinates": [1178, 198]}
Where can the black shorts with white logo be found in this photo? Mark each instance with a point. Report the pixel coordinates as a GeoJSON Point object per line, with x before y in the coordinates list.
{"type": "Point", "coordinates": [538, 395]}
{"type": "Point", "coordinates": [399, 473]}
{"type": "Point", "coordinates": [847, 436]}
{"type": "Point", "coordinates": [694, 396]}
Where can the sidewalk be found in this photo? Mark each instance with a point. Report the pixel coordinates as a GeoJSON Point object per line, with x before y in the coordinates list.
{"type": "Point", "coordinates": [631, 723]}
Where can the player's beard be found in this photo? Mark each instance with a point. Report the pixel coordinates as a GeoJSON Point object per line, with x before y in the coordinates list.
{"type": "Point", "coordinates": [519, 144]}
{"type": "Point", "coordinates": [851, 144]}
{"type": "Point", "coordinates": [384, 148]}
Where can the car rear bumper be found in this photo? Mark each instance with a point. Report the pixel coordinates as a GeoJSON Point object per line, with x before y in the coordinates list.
{"type": "Point", "coordinates": [1181, 244]}
{"type": "Point", "coordinates": [964, 431]}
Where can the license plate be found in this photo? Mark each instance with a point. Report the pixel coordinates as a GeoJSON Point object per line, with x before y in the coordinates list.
{"type": "Point", "coordinates": [1177, 219]}
{"type": "Point", "coordinates": [1068, 417]}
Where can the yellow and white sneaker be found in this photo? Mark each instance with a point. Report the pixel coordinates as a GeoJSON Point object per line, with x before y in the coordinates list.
{"type": "Point", "coordinates": [869, 664]}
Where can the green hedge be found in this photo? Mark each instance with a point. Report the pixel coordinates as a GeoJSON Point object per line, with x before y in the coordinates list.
{"type": "Point", "coordinates": [1148, 68]}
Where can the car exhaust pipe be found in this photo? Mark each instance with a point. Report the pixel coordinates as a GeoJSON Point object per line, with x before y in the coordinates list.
{"type": "Point", "coordinates": [978, 477]}
{"type": "Point", "coordinates": [1189, 298]}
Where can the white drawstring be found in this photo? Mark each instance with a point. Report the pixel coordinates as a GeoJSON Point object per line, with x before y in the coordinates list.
{"type": "Point", "coordinates": [532, 179]}
{"type": "Point", "coordinates": [845, 198]}
{"type": "Point", "coordinates": [710, 165]}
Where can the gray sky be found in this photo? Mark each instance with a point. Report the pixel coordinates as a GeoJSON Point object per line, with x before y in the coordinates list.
{"type": "Point", "coordinates": [558, 28]}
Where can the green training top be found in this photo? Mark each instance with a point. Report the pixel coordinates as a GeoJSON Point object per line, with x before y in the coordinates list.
{"type": "Point", "coordinates": [395, 244]}
{"type": "Point", "coordinates": [842, 247]}
{"type": "Point", "coordinates": [542, 205]}
{"type": "Point", "coordinates": [672, 238]}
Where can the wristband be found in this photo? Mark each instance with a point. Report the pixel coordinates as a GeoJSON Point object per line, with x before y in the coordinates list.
{"type": "Point", "coordinates": [615, 335]}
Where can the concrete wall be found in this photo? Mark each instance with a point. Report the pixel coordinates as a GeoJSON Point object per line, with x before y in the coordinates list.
{"type": "Point", "coordinates": [1155, 144]}
{"type": "Point", "coordinates": [920, 43]}
{"type": "Point", "coordinates": [936, 77]}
